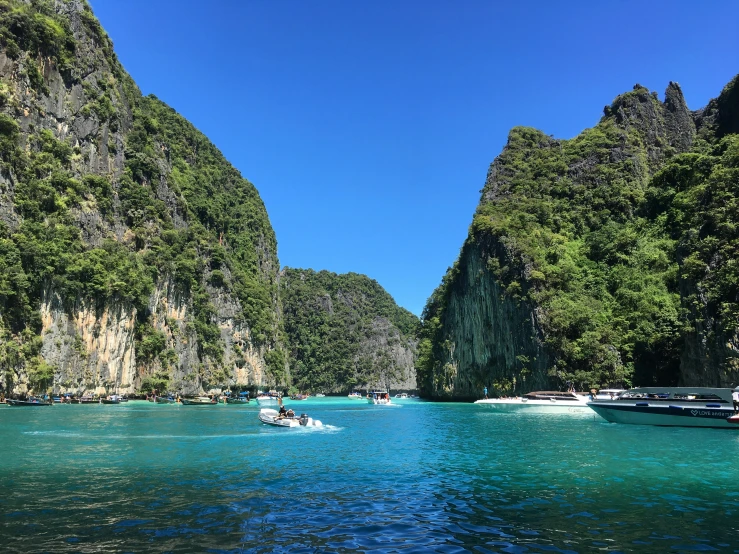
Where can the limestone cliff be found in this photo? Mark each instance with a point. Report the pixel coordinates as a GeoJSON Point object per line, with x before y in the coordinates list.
{"type": "Point", "coordinates": [584, 263]}
{"type": "Point", "coordinates": [134, 255]}
{"type": "Point", "coordinates": [345, 331]}
{"type": "Point", "coordinates": [710, 355]}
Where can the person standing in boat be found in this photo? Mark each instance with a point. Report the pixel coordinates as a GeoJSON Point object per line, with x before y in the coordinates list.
{"type": "Point", "coordinates": [735, 397]}
{"type": "Point", "coordinates": [485, 392]}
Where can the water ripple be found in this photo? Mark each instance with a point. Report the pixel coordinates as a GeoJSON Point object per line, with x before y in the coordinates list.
{"type": "Point", "coordinates": [428, 478]}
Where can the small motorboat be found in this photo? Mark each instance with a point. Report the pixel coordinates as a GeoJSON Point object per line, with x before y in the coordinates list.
{"type": "Point", "coordinates": [355, 396]}
{"type": "Point", "coordinates": [268, 399]}
{"type": "Point", "coordinates": [242, 398]}
{"type": "Point", "coordinates": [299, 397]}
{"type": "Point", "coordinates": [402, 395]}
{"type": "Point", "coordinates": [87, 400]}
{"type": "Point", "coordinates": [379, 398]}
{"type": "Point", "coordinates": [31, 401]}
{"type": "Point", "coordinates": [273, 417]}
{"type": "Point", "coordinates": [165, 400]}
{"type": "Point", "coordinates": [320, 395]}
{"type": "Point", "coordinates": [200, 401]}
{"type": "Point", "coordinates": [112, 399]}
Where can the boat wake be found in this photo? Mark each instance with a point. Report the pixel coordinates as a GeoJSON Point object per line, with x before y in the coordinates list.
{"type": "Point", "coordinates": [60, 433]}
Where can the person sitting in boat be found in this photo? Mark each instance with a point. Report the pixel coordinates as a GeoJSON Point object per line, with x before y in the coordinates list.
{"type": "Point", "coordinates": [290, 413]}
{"type": "Point", "coordinates": [283, 410]}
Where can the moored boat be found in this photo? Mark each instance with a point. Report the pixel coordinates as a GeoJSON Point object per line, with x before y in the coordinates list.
{"type": "Point", "coordinates": [402, 395]}
{"type": "Point", "coordinates": [268, 399]}
{"type": "Point", "coordinates": [31, 401]}
{"type": "Point", "coordinates": [355, 395]}
{"type": "Point", "coordinates": [242, 398]}
{"type": "Point", "coordinates": [86, 400]}
{"type": "Point", "coordinates": [379, 397]}
{"type": "Point", "coordinates": [670, 406]}
{"type": "Point", "coordinates": [540, 402]}
{"type": "Point", "coordinates": [299, 397]}
{"type": "Point", "coordinates": [165, 400]}
{"type": "Point", "coordinates": [271, 416]}
{"type": "Point", "coordinates": [199, 401]}
{"type": "Point", "coordinates": [112, 399]}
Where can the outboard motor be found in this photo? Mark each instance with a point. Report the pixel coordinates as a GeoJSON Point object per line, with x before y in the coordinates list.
{"type": "Point", "coordinates": [303, 419]}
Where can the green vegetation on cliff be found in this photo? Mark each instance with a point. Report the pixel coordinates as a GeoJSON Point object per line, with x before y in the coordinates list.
{"type": "Point", "coordinates": [611, 240]}
{"type": "Point", "coordinates": [343, 331]}
{"type": "Point", "coordinates": [128, 195]}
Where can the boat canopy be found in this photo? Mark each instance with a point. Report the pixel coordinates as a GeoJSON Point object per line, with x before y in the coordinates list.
{"type": "Point", "coordinates": [684, 394]}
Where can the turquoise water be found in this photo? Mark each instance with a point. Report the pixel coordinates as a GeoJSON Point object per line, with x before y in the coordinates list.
{"type": "Point", "coordinates": [421, 477]}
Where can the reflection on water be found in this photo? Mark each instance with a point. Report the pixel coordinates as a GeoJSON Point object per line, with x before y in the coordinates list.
{"type": "Point", "coordinates": [427, 477]}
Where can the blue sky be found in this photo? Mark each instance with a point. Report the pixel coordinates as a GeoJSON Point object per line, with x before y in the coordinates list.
{"type": "Point", "coordinates": [368, 126]}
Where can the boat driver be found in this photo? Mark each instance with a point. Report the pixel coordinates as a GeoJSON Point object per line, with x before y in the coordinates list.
{"type": "Point", "coordinates": [283, 411]}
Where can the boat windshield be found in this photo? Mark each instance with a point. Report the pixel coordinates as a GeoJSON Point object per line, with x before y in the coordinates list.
{"type": "Point", "coordinates": [549, 395]}
{"type": "Point", "coordinates": [687, 396]}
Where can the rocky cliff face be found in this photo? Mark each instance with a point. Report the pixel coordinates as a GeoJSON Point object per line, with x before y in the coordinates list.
{"type": "Point", "coordinates": [710, 355]}
{"type": "Point", "coordinates": [488, 334]}
{"type": "Point", "coordinates": [136, 255]}
{"type": "Point", "coordinates": [573, 269]}
{"type": "Point", "coordinates": [345, 331]}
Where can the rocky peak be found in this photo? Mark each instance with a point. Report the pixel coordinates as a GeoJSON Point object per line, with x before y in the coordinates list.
{"type": "Point", "coordinates": [660, 124]}
{"type": "Point", "coordinates": [721, 116]}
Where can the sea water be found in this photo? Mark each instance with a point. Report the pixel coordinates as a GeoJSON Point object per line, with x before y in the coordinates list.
{"type": "Point", "coordinates": [417, 477]}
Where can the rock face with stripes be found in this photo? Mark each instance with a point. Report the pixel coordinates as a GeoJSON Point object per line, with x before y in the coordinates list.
{"type": "Point", "coordinates": [586, 261]}
{"type": "Point", "coordinates": [136, 254]}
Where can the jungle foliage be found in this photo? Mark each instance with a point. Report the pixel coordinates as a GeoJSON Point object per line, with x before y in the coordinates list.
{"type": "Point", "coordinates": [188, 215]}
{"type": "Point", "coordinates": [330, 324]}
{"type": "Point", "coordinates": [612, 236]}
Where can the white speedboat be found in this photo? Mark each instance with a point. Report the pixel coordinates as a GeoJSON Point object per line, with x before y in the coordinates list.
{"type": "Point", "coordinates": [378, 397]}
{"type": "Point", "coordinates": [546, 402]}
{"type": "Point", "coordinates": [355, 396]}
{"type": "Point", "coordinates": [669, 406]}
{"type": "Point", "coordinates": [199, 401]}
{"type": "Point", "coordinates": [402, 395]}
{"type": "Point", "coordinates": [268, 399]}
{"type": "Point", "coordinates": [273, 417]}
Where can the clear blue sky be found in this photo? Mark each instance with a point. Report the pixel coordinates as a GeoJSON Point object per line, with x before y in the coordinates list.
{"type": "Point", "coordinates": [368, 126]}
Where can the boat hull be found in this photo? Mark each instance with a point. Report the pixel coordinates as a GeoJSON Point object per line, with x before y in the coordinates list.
{"type": "Point", "coordinates": [536, 406]}
{"type": "Point", "coordinates": [267, 401]}
{"type": "Point", "coordinates": [380, 401]}
{"type": "Point", "coordinates": [269, 416]}
{"type": "Point", "coordinates": [198, 402]}
{"type": "Point", "coordinates": [666, 416]}
{"type": "Point", "coordinates": [237, 401]}
{"type": "Point", "coordinates": [25, 403]}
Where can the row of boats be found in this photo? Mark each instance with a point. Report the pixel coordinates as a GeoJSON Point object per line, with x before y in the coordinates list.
{"type": "Point", "coordinates": [379, 397]}
{"type": "Point", "coordinates": [46, 401]}
{"type": "Point", "coordinates": [666, 406]}
{"type": "Point", "coordinates": [242, 398]}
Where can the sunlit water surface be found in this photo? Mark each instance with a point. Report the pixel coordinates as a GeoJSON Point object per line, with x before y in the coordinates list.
{"type": "Point", "coordinates": [418, 477]}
